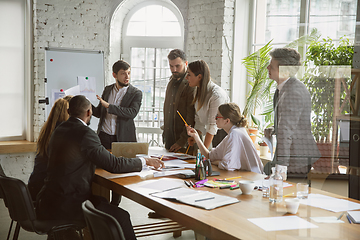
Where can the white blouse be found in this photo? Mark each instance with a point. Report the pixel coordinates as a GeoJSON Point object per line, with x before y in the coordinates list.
{"type": "Point", "coordinates": [205, 117]}
{"type": "Point", "coordinates": [236, 151]}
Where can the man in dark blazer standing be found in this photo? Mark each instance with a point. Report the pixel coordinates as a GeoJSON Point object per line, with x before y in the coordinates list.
{"type": "Point", "coordinates": [119, 104]}
{"type": "Point", "coordinates": [75, 151]}
{"type": "Point", "coordinates": [296, 147]}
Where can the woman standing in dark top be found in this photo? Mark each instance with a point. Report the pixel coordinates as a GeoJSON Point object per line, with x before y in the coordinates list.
{"type": "Point", "coordinates": [58, 114]}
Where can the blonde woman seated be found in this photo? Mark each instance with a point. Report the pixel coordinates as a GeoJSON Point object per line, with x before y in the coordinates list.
{"type": "Point", "coordinates": [236, 151]}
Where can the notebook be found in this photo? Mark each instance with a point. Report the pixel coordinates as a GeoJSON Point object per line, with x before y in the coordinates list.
{"type": "Point", "coordinates": [354, 216]}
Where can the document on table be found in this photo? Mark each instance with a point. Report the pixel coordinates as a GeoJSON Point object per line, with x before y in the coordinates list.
{"type": "Point", "coordinates": [201, 199]}
{"type": "Point", "coordinates": [173, 172]}
{"type": "Point", "coordinates": [260, 183]}
{"type": "Point", "coordinates": [143, 173]}
{"type": "Point", "coordinates": [281, 223]}
{"type": "Point", "coordinates": [354, 216]}
{"type": "Point", "coordinates": [329, 203]}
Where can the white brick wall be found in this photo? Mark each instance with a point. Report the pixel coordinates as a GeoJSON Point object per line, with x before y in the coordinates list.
{"type": "Point", "coordinates": [85, 24]}
{"type": "Point", "coordinates": [210, 35]}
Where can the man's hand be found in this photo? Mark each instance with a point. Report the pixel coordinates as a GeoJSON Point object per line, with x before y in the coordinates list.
{"type": "Point", "coordinates": [174, 148]}
{"type": "Point", "coordinates": [154, 162]}
{"type": "Point", "coordinates": [103, 102]}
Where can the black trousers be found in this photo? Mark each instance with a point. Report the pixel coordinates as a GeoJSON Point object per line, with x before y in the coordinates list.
{"type": "Point", "coordinates": [106, 141]}
{"type": "Point", "coordinates": [122, 216]}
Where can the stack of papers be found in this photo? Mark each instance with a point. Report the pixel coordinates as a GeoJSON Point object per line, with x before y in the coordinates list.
{"type": "Point", "coordinates": [354, 216]}
{"type": "Point", "coordinates": [281, 223]}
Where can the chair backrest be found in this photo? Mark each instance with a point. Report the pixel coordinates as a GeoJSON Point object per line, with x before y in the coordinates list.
{"type": "Point", "coordinates": [101, 225]}
{"type": "Point", "coordinates": [18, 199]}
{"type": "Point", "coordinates": [129, 149]}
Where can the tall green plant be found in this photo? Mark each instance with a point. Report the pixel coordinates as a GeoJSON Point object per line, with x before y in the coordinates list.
{"type": "Point", "coordinates": [322, 86]}
{"type": "Point", "coordinates": [256, 66]}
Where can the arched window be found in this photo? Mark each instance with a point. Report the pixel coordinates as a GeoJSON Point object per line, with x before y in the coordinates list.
{"type": "Point", "coordinates": [150, 31]}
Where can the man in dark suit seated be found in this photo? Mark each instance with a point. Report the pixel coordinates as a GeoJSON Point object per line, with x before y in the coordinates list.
{"type": "Point", "coordinates": [74, 152]}
{"type": "Point", "coordinates": [296, 147]}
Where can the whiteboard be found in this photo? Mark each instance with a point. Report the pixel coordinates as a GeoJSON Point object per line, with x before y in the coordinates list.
{"type": "Point", "coordinates": [64, 66]}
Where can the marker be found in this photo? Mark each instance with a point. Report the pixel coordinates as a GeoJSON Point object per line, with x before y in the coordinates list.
{"type": "Point", "coordinates": [236, 187]}
{"type": "Point", "coordinates": [187, 184]}
{"type": "Point", "coordinates": [182, 118]}
{"type": "Point", "coordinates": [220, 180]}
{"type": "Point", "coordinates": [192, 184]}
{"type": "Point", "coordinates": [227, 186]}
{"type": "Point", "coordinates": [232, 178]}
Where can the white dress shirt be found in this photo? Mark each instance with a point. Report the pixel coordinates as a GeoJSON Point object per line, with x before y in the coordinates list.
{"type": "Point", "coordinates": [115, 98]}
{"type": "Point", "coordinates": [237, 152]}
{"type": "Point", "coordinates": [205, 117]}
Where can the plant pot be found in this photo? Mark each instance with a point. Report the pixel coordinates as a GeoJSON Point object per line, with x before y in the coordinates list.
{"type": "Point", "coordinates": [264, 150]}
{"type": "Point", "coordinates": [252, 133]}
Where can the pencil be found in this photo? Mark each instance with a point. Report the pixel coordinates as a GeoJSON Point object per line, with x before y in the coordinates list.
{"type": "Point", "coordinates": [187, 149]}
{"type": "Point", "coordinates": [161, 157]}
{"type": "Point", "coordinates": [232, 178]}
{"type": "Point", "coordinates": [182, 118]}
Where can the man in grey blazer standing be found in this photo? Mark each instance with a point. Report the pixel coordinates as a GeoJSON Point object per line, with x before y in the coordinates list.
{"type": "Point", "coordinates": [296, 147]}
{"type": "Point", "coordinates": [119, 104]}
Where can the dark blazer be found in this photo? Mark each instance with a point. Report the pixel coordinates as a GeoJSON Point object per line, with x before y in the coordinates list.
{"type": "Point", "coordinates": [183, 103]}
{"type": "Point", "coordinates": [294, 137]}
{"type": "Point", "coordinates": [74, 152]}
{"type": "Point", "coordinates": [126, 112]}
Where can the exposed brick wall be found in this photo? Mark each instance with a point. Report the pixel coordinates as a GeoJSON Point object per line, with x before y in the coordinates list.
{"type": "Point", "coordinates": [210, 34]}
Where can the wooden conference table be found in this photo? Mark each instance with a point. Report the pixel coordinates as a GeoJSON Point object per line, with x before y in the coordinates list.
{"type": "Point", "coordinates": [231, 222]}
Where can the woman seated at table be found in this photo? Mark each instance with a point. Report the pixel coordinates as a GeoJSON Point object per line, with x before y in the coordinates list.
{"type": "Point", "coordinates": [236, 151]}
{"type": "Point", "coordinates": [58, 114]}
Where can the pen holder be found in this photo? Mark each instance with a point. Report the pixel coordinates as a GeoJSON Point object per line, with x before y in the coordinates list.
{"type": "Point", "coordinates": [200, 173]}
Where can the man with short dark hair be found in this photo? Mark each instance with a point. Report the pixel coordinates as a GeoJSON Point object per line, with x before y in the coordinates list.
{"type": "Point", "coordinates": [296, 147]}
{"type": "Point", "coordinates": [179, 97]}
{"type": "Point", "coordinates": [119, 105]}
{"type": "Point", "coordinates": [75, 151]}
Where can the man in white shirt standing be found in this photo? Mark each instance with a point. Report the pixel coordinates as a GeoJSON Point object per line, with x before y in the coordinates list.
{"type": "Point", "coordinates": [119, 104]}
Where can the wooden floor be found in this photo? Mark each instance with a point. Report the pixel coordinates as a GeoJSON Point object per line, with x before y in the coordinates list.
{"type": "Point", "coordinates": [139, 213]}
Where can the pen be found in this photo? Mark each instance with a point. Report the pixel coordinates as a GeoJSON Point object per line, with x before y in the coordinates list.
{"type": "Point", "coordinates": [348, 218]}
{"type": "Point", "coordinates": [204, 199]}
{"type": "Point", "coordinates": [340, 216]}
{"type": "Point", "coordinates": [182, 118]}
{"type": "Point", "coordinates": [187, 149]}
{"type": "Point", "coordinates": [232, 178]}
{"type": "Point", "coordinates": [187, 184]}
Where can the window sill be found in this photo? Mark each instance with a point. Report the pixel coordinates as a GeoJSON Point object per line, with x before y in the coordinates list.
{"type": "Point", "coordinates": [17, 147]}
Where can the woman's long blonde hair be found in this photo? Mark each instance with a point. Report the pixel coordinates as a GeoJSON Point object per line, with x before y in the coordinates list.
{"type": "Point", "coordinates": [200, 67]}
{"type": "Point", "coordinates": [58, 114]}
{"type": "Point", "coordinates": [232, 112]}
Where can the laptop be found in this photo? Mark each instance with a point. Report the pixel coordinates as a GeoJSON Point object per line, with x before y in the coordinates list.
{"type": "Point", "coordinates": [129, 149]}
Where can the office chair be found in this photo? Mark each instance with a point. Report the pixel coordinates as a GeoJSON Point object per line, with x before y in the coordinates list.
{"type": "Point", "coordinates": [101, 225]}
{"type": "Point", "coordinates": [21, 210]}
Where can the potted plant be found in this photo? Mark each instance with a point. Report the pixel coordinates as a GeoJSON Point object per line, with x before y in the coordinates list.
{"type": "Point", "coordinates": [321, 84]}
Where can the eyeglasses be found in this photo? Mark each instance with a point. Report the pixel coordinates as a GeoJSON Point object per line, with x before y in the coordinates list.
{"type": "Point", "coordinates": [216, 117]}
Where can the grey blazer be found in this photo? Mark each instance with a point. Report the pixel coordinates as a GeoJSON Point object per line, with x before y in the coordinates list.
{"type": "Point", "coordinates": [295, 142]}
{"type": "Point", "coordinates": [126, 112]}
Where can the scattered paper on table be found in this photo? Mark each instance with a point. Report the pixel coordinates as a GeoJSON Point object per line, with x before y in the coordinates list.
{"type": "Point", "coordinates": [281, 223]}
{"type": "Point", "coordinates": [260, 183]}
{"type": "Point", "coordinates": [143, 173]}
{"type": "Point", "coordinates": [329, 203]}
{"type": "Point", "coordinates": [161, 184]}
{"type": "Point", "coordinates": [174, 172]}
{"type": "Point", "coordinates": [332, 219]}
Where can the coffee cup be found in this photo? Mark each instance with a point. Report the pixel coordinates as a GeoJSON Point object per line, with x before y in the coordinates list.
{"type": "Point", "coordinates": [292, 205]}
{"type": "Point", "coordinates": [246, 186]}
